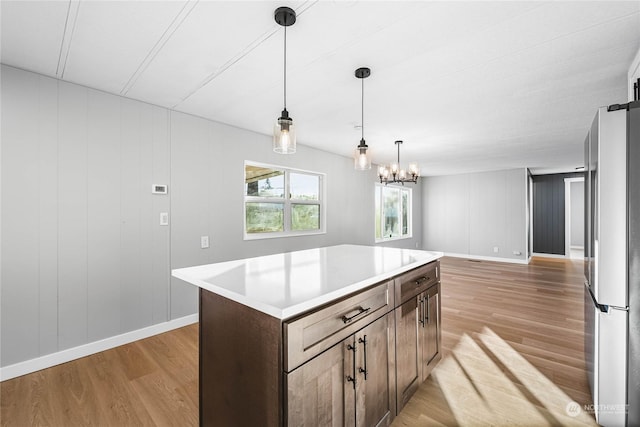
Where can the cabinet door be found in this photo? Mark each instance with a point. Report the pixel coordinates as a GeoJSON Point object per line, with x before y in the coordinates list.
{"type": "Point", "coordinates": [431, 343]}
{"type": "Point", "coordinates": [318, 392]}
{"type": "Point", "coordinates": [408, 351]}
{"type": "Point", "coordinates": [375, 370]}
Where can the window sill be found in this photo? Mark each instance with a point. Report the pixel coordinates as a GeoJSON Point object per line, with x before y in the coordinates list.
{"type": "Point", "coordinates": [277, 235]}
{"type": "Point", "coordinates": [391, 239]}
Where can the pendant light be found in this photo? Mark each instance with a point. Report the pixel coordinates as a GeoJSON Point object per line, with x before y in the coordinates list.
{"type": "Point", "coordinates": [284, 133]}
{"type": "Point", "coordinates": [361, 157]}
{"type": "Point", "coordinates": [395, 174]}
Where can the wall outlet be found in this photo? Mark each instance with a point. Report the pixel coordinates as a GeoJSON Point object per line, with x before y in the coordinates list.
{"type": "Point", "coordinates": [164, 218]}
{"type": "Point", "coordinates": [204, 242]}
{"type": "Point", "coordinates": [495, 249]}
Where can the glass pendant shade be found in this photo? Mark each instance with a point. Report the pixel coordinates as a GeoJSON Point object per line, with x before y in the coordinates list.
{"type": "Point", "coordinates": [361, 162]}
{"type": "Point", "coordinates": [284, 136]}
{"type": "Point", "coordinates": [361, 158]}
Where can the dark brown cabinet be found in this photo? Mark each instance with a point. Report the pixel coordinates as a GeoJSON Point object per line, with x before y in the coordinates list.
{"type": "Point", "coordinates": [430, 325]}
{"type": "Point", "coordinates": [417, 329]}
{"type": "Point", "coordinates": [317, 393]}
{"type": "Point", "coordinates": [351, 384]}
{"type": "Point", "coordinates": [375, 375]}
{"type": "Point", "coordinates": [354, 361]}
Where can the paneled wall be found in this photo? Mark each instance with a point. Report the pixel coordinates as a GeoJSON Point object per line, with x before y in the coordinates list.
{"type": "Point", "coordinates": [634, 74]}
{"type": "Point", "coordinates": [473, 214]}
{"type": "Point", "coordinates": [84, 256]}
{"type": "Point", "coordinates": [549, 213]}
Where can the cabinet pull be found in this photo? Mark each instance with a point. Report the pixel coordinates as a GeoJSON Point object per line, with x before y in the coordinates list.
{"type": "Point", "coordinates": [427, 311]}
{"type": "Point", "coordinates": [353, 358]}
{"type": "Point", "coordinates": [360, 312]}
{"type": "Point", "coordinates": [422, 280]}
{"type": "Point", "coordinates": [420, 311]}
{"type": "Point", "coordinates": [364, 343]}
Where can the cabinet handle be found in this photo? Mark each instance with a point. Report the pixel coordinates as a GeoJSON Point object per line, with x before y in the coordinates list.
{"type": "Point", "coordinates": [420, 311]}
{"type": "Point", "coordinates": [422, 280]}
{"type": "Point", "coordinates": [427, 311]}
{"type": "Point", "coordinates": [349, 377]}
{"type": "Point", "coordinates": [364, 343]}
{"type": "Point", "coordinates": [360, 312]}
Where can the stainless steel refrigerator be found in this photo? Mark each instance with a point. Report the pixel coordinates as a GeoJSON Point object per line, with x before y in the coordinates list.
{"type": "Point", "coordinates": [612, 264]}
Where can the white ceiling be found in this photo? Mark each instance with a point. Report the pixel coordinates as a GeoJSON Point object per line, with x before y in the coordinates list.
{"type": "Point", "coordinates": [469, 86]}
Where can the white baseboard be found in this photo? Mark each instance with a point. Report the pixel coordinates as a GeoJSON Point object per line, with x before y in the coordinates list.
{"type": "Point", "coordinates": [53, 359]}
{"type": "Point", "coordinates": [550, 255]}
{"type": "Point", "coordinates": [487, 258]}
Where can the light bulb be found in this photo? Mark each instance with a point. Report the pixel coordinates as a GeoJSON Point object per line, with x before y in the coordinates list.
{"type": "Point", "coordinates": [413, 169]}
{"type": "Point", "coordinates": [394, 168]}
{"type": "Point", "coordinates": [403, 174]}
{"type": "Point", "coordinates": [362, 160]}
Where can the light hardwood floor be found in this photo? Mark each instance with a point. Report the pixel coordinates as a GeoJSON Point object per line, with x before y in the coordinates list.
{"type": "Point", "coordinates": [512, 355]}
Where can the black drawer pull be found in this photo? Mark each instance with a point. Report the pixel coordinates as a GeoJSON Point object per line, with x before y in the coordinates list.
{"type": "Point", "coordinates": [422, 280]}
{"type": "Point", "coordinates": [360, 312]}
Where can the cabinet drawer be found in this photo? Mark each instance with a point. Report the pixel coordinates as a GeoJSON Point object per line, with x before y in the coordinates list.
{"type": "Point", "coordinates": [415, 281]}
{"type": "Point", "coordinates": [312, 333]}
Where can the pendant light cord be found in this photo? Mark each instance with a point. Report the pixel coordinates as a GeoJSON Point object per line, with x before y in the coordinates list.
{"type": "Point", "coordinates": [285, 67]}
{"type": "Point", "coordinates": [362, 118]}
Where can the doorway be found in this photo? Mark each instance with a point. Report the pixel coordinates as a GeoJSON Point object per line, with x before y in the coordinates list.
{"type": "Point", "coordinates": [574, 217]}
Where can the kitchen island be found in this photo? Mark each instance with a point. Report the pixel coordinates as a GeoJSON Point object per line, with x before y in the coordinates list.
{"type": "Point", "coordinates": [311, 337]}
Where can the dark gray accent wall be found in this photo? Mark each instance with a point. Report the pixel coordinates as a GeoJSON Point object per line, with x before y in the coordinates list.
{"type": "Point", "coordinates": [548, 213]}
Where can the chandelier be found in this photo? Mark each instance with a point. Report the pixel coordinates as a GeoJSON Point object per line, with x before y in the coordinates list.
{"type": "Point", "coordinates": [394, 173]}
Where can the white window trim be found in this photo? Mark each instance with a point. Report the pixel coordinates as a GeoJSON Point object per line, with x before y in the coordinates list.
{"type": "Point", "coordinates": [378, 187]}
{"type": "Point", "coordinates": [287, 204]}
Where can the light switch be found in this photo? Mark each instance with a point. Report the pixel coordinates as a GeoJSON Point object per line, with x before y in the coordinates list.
{"type": "Point", "coordinates": [164, 218]}
{"type": "Point", "coordinates": [204, 242]}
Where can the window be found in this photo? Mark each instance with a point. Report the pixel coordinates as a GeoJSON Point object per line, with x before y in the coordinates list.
{"type": "Point", "coordinates": [281, 202]}
{"type": "Point", "coordinates": [393, 212]}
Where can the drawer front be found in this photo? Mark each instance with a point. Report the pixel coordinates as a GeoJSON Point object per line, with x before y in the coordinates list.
{"type": "Point", "coordinates": [415, 281]}
{"type": "Point", "coordinates": [311, 334]}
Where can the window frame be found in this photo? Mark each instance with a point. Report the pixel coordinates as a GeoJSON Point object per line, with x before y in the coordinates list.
{"type": "Point", "coordinates": [287, 201]}
{"type": "Point", "coordinates": [379, 191]}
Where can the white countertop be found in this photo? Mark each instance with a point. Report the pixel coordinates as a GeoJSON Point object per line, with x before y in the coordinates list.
{"type": "Point", "coordinates": [285, 285]}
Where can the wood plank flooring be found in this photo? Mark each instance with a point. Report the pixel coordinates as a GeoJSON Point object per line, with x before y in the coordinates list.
{"type": "Point", "coordinates": [512, 355]}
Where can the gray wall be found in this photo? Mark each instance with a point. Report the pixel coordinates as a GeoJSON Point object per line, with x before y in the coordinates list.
{"type": "Point", "coordinates": [83, 255]}
{"type": "Point", "coordinates": [577, 213]}
{"type": "Point", "coordinates": [470, 214]}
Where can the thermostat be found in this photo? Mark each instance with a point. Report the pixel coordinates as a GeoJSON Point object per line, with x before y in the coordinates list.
{"type": "Point", "coordinates": [159, 189]}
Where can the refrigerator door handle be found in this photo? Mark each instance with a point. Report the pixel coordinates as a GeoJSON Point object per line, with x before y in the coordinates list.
{"type": "Point", "coordinates": [602, 307]}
